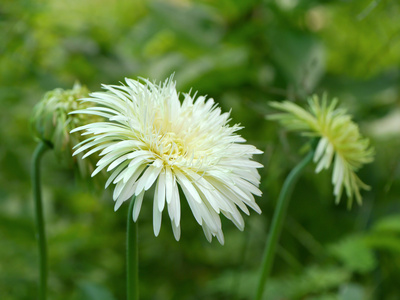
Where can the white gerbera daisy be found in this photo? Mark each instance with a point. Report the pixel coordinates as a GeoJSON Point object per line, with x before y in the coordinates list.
{"type": "Point", "coordinates": [151, 138]}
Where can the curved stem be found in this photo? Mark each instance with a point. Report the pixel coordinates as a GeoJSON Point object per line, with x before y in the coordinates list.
{"type": "Point", "coordinates": [132, 256]}
{"type": "Point", "coordinates": [277, 221]}
{"type": "Point", "coordinates": [40, 224]}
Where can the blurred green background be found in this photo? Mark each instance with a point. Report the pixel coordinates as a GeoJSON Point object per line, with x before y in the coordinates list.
{"type": "Point", "coordinates": [243, 54]}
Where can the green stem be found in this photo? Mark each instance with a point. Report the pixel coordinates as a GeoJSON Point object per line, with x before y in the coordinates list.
{"type": "Point", "coordinates": [40, 225]}
{"type": "Point", "coordinates": [277, 221]}
{"type": "Point", "coordinates": [132, 256]}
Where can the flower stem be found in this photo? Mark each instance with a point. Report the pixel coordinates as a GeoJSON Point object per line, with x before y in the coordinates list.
{"type": "Point", "coordinates": [40, 224]}
{"type": "Point", "coordinates": [132, 256]}
{"type": "Point", "coordinates": [277, 221]}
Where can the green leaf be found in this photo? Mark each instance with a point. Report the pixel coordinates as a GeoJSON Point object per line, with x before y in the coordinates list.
{"type": "Point", "coordinates": [352, 291]}
{"type": "Point", "coordinates": [384, 242]}
{"type": "Point", "coordinates": [93, 291]}
{"type": "Point", "coordinates": [318, 280]}
{"type": "Point", "coordinates": [389, 224]}
{"type": "Point", "coordinates": [355, 254]}
{"type": "Point", "coordinates": [315, 280]}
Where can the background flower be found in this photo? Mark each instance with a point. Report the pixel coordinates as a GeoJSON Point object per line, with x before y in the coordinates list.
{"type": "Point", "coordinates": [151, 138]}
{"type": "Point", "coordinates": [340, 141]}
{"type": "Point", "coordinates": [52, 123]}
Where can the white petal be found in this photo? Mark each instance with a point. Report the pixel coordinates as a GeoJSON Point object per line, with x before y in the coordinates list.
{"type": "Point", "coordinates": [157, 167]}
{"type": "Point", "coordinates": [137, 206]}
{"type": "Point", "coordinates": [110, 157]}
{"type": "Point", "coordinates": [183, 180]}
{"type": "Point", "coordinates": [148, 178]}
{"type": "Point", "coordinates": [117, 162]}
{"type": "Point", "coordinates": [319, 151]}
{"type": "Point", "coordinates": [207, 233]}
{"type": "Point", "coordinates": [174, 207]}
{"type": "Point", "coordinates": [143, 153]}
{"type": "Point", "coordinates": [128, 190]}
{"type": "Point", "coordinates": [80, 145]}
{"type": "Point", "coordinates": [220, 237]}
{"type": "Point", "coordinates": [177, 205]}
{"type": "Point", "coordinates": [209, 193]}
{"type": "Point", "coordinates": [98, 169]}
{"type": "Point", "coordinates": [131, 183]}
{"type": "Point", "coordinates": [135, 175]}
{"type": "Point", "coordinates": [247, 186]}
{"type": "Point", "coordinates": [161, 191]}
{"type": "Point", "coordinates": [338, 175]}
{"type": "Point", "coordinates": [88, 112]}
{"type": "Point", "coordinates": [157, 215]}
{"type": "Point", "coordinates": [115, 173]}
{"type": "Point", "coordinates": [177, 231]}
{"type": "Point", "coordinates": [130, 145]}
{"type": "Point", "coordinates": [194, 206]}
{"type": "Point", "coordinates": [210, 217]}
{"type": "Point", "coordinates": [240, 163]}
{"type": "Point", "coordinates": [129, 170]}
{"type": "Point", "coordinates": [237, 219]}
{"type": "Point", "coordinates": [212, 197]}
{"type": "Point", "coordinates": [95, 150]}
{"type": "Point", "coordinates": [169, 182]}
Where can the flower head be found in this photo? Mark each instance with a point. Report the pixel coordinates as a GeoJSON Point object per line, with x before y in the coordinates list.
{"type": "Point", "coordinates": [340, 141]}
{"type": "Point", "coordinates": [52, 123]}
{"type": "Point", "coordinates": [151, 139]}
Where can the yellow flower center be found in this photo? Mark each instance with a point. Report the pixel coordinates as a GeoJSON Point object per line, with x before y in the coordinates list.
{"type": "Point", "coordinates": [170, 147]}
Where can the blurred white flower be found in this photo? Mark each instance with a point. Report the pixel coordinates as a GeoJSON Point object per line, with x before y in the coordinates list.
{"type": "Point", "coordinates": [340, 142]}
{"type": "Point", "coordinates": [152, 139]}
